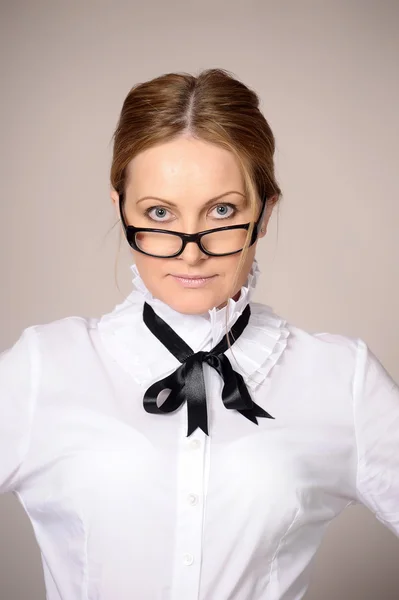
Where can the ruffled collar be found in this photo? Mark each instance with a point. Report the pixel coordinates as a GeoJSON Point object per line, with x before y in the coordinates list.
{"type": "Point", "coordinates": [132, 345]}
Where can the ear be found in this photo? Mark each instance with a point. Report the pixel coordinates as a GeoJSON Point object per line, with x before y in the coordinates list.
{"type": "Point", "coordinates": [115, 200]}
{"type": "Point", "coordinates": [268, 213]}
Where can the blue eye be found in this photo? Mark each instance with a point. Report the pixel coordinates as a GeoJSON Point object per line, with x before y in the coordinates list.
{"type": "Point", "coordinates": [225, 211]}
{"type": "Point", "coordinates": [157, 213]}
{"type": "Point", "coordinates": [162, 215]}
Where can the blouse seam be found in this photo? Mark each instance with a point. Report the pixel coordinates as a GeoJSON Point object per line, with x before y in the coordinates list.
{"type": "Point", "coordinates": [273, 564]}
{"type": "Point", "coordinates": [42, 555]}
{"type": "Point", "coordinates": [85, 586]}
{"type": "Point", "coordinates": [358, 389]}
{"type": "Point", "coordinates": [35, 372]}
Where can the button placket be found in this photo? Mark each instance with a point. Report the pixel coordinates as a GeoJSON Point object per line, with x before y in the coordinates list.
{"type": "Point", "coordinates": [188, 559]}
{"type": "Point", "coordinates": [189, 523]}
{"type": "Point", "coordinates": [192, 499]}
{"type": "Point", "coordinates": [194, 444]}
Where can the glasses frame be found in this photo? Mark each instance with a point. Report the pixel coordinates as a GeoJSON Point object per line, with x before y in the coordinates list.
{"type": "Point", "coordinates": [130, 233]}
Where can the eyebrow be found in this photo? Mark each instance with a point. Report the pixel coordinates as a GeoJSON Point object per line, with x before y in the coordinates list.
{"type": "Point", "coordinates": [206, 204]}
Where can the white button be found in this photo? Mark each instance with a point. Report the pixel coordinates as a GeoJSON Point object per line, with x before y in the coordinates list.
{"type": "Point", "coordinates": [192, 499]}
{"type": "Point", "coordinates": [195, 444]}
{"type": "Point", "coordinates": [188, 559]}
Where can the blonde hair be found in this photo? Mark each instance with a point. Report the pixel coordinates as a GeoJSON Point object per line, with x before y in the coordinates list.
{"type": "Point", "coordinates": [212, 106]}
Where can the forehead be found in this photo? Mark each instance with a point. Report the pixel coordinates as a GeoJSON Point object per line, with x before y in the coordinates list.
{"type": "Point", "coordinates": [184, 165]}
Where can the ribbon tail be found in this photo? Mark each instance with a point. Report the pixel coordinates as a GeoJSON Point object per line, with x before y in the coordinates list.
{"type": "Point", "coordinates": [255, 411]}
{"type": "Point", "coordinates": [197, 418]}
{"type": "Point", "coordinates": [197, 414]}
{"type": "Point", "coordinates": [235, 393]}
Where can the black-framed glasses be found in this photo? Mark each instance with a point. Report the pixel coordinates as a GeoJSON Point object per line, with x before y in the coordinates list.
{"type": "Point", "coordinates": [161, 243]}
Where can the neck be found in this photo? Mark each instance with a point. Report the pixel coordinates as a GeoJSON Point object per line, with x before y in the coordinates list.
{"type": "Point", "coordinates": [235, 298]}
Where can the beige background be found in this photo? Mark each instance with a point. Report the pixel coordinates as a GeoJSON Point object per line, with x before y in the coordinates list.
{"type": "Point", "coordinates": [327, 73]}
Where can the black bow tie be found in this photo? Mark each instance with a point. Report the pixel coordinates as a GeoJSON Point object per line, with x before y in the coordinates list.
{"type": "Point", "coordinates": [187, 382]}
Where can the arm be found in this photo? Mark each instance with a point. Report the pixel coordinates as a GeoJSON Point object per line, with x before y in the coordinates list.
{"type": "Point", "coordinates": [18, 385]}
{"type": "Point", "coordinates": [376, 415]}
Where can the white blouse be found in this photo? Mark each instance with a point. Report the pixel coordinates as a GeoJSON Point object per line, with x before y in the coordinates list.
{"type": "Point", "coordinates": [124, 505]}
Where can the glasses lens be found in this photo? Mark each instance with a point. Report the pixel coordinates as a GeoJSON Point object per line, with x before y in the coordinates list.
{"type": "Point", "coordinates": [224, 242]}
{"type": "Point", "coordinates": [158, 244]}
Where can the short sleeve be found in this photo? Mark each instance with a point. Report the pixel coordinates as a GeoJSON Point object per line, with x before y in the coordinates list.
{"type": "Point", "coordinates": [18, 390]}
{"type": "Point", "coordinates": [376, 415]}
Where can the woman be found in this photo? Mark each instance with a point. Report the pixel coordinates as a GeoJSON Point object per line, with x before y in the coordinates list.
{"type": "Point", "coordinates": [156, 456]}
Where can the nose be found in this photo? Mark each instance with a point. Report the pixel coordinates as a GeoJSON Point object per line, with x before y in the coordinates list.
{"type": "Point", "coordinates": [192, 254]}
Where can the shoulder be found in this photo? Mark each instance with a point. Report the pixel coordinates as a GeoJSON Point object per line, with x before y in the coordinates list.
{"type": "Point", "coordinates": [325, 341]}
{"type": "Point", "coordinates": [304, 343]}
{"type": "Point", "coordinates": [58, 343]}
{"type": "Point", "coordinates": [66, 329]}
{"type": "Point", "coordinates": [58, 336]}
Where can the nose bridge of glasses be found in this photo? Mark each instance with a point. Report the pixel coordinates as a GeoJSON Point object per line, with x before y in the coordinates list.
{"type": "Point", "coordinates": [191, 243]}
{"type": "Point", "coordinates": [192, 250]}
{"type": "Point", "coordinates": [194, 238]}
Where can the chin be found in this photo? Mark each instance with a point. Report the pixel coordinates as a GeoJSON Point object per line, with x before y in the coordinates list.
{"type": "Point", "coordinates": [192, 302]}
{"type": "Point", "coordinates": [191, 307]}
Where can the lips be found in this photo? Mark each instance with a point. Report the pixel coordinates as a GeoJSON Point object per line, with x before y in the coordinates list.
{"type": "Point", "coordinates": [193, 281]}
{"type": "Point", "coordinates": [193, 276]}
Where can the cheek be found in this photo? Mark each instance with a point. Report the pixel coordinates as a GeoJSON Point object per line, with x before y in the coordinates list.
{"type": "Point", "coordinates": [150, 268]}
{"type": "Point", "coordinates": [248, 261]}
{"type": "Point", "coordinates": [246, 266]}
{"type": "Point", "coordinates": [230, 267]}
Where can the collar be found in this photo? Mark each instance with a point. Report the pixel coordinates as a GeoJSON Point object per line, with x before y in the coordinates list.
{"type": "Point", "coordinates": [132, 345]}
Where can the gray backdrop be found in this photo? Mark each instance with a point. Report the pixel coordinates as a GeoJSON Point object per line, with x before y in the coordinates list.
{"type": "Point", "coordinates": [327, 73]}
